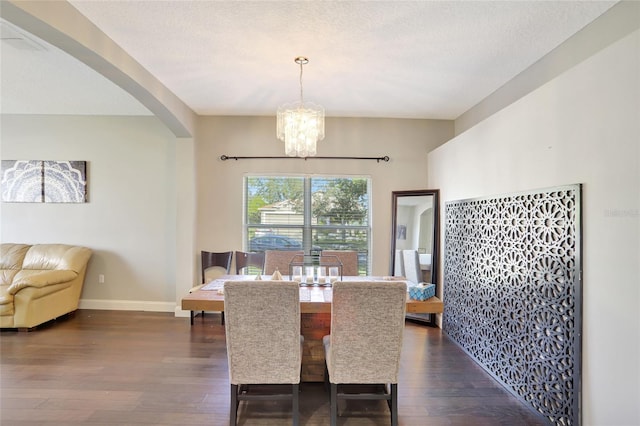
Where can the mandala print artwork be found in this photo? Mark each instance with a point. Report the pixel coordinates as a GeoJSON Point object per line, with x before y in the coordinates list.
{"type": "Point", "coordinates": [513, 297]}
{"type": "Point", "coordinates": [29, 181]}
{"type": "Point", "coordinates": [22, 181]}
{"type": "Point", "coordinates": [65, 181]}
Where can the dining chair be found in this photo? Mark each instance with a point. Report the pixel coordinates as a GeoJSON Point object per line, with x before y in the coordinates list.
{"type": "Point", "coordinates": [280, 260]}
{"type": "Point", "coordinates": [246, 260]}
{"type": "Point", "coordinates": [348, 258]}
{"type": "Point", "coordinates": [213, 265]}
{"type": "Point", "coordinates": [367, 323]}
{"type": "Point", "coordinates": [264, 346]}
{"type": "Point", "coordinates": [415, 275]}
{"type": "Point", "coordinates": [411, 263]}
{"type": "Point", "coordinates": [398, 268]}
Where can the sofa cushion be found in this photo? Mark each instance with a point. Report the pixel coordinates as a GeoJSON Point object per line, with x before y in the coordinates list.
{"type": "Point", "coordinates": [12, 255]}
{"type": "Point", "coordinates": [11, 259]}
{"type": "Point", "coordinates": [6, 301]}
{"type": "Point", "coordinates": [7, 275]}
{"type": "Point", "coordinates": [56, 256]}
{"type": "Point", "coordinates": [39, 279]}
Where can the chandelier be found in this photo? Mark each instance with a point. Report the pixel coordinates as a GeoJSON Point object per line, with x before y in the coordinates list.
{"type": "Point", "coordinates": [300, 124]}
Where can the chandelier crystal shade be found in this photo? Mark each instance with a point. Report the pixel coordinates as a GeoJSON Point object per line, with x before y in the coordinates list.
{"type": "Point", "coordinates": [300, 125]}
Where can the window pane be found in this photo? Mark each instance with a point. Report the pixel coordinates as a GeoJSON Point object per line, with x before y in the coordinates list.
{"type": "Point", "coordinates": [345, 239]}
{"type": "Point", "coordinates": [340, 201]}
{"type": "Point", "coordinates": [275, 200]}
{"type": "Point", "coordinates": [274, 213]}
{"type": "Point", "coordinates": [336, 217]}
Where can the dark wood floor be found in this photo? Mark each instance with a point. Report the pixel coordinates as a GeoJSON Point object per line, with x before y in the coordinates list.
{"type": "Point", "coordinates": [144, 368]}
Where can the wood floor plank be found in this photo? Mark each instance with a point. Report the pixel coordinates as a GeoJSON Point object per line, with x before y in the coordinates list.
{"type": "Point", "coordinates": [143, 368]}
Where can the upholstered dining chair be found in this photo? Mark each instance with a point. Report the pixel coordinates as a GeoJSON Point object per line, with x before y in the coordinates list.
{"type": "Point", "coordinates": [246, 260]}
{"type": "Point", "coordinates": [348, 258]}
{"type": "Point", "coordinates": [367, 323]}
{"type": "Point", "coordinates": [213, 265]}
{"type": "Point", "coordinates": [411, 263]}
{"type": "Point", "coordinates": [280, 260]}
{"type": "Point", "coordinates": [398, 268]}
{"type": "Point", "coordinates": [264, 345]}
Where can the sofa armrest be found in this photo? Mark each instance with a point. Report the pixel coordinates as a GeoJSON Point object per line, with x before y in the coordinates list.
{"type": "Point", "coordinates": [40, 279]}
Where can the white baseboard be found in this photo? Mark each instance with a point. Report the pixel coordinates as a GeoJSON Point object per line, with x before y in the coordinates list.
{"type": "Point", "coordinates": [131, 305]}
{"type": "Point", "coordinates": [126, 305]}
{"type": "Point", "coordinates": [180, 313]}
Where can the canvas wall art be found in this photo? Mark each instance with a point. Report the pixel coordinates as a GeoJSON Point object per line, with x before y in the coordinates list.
{"type": "Point", "coordinates": [36, 181]}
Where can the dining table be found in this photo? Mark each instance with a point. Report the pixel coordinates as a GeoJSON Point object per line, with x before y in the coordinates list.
{"type": "Point", "coordinates": [315, 309]}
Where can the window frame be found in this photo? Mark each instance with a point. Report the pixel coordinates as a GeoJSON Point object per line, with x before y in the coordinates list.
{"type": "Point", "coordinates": [307, 228]}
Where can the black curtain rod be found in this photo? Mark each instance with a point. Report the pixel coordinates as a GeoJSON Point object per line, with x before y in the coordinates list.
{"type": "Point", "coordinates": [378, 159]}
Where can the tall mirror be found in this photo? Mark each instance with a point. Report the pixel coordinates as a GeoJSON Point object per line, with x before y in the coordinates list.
{"type": "Point", "coordinates": [415, 227]}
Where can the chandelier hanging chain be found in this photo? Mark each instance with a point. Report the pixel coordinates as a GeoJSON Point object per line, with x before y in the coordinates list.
{"type": "Point", "coordinates": [301, 60]}
{"type": "Point", "coordinates": [301, 92]}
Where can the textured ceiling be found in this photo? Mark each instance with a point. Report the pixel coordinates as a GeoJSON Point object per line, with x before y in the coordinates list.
{"type": "Point", "coordinates": [417, 59]}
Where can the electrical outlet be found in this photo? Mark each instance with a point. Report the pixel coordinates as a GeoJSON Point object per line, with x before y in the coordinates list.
{"type": "Point", "coordinates": [101, 278]}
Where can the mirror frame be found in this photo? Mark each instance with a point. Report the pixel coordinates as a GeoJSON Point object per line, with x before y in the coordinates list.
{"type": "Point", "coordinates": [435, 252]}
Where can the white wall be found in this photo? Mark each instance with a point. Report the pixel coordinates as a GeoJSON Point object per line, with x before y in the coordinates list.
{"type": "Point", "coordinates": [130, 219]}
{"type": "Point", "coordinates": [219, 185]}
{"type": "Point", "coordinates": [581, 127]}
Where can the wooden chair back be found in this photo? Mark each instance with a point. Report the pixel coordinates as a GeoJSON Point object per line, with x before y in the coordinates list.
{"type": "Point", "coordinates": [245, 260]}
{"type": "Point", "coordinates": [217, 263]}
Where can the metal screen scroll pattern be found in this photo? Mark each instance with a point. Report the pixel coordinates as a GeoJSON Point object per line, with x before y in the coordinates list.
{"type": "Point", "coordinates": [512, 293]}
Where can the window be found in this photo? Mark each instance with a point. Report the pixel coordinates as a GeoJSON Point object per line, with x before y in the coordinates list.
{"type": "Point", "coordinates": [308, 213]}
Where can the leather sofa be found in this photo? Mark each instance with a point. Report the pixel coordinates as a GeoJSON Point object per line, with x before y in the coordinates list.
{"type": "Point", "coordinates": [40, 282]}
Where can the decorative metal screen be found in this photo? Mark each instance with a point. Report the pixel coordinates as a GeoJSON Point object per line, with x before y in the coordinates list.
{"type": "Point", "coordinates": [512, 293]}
